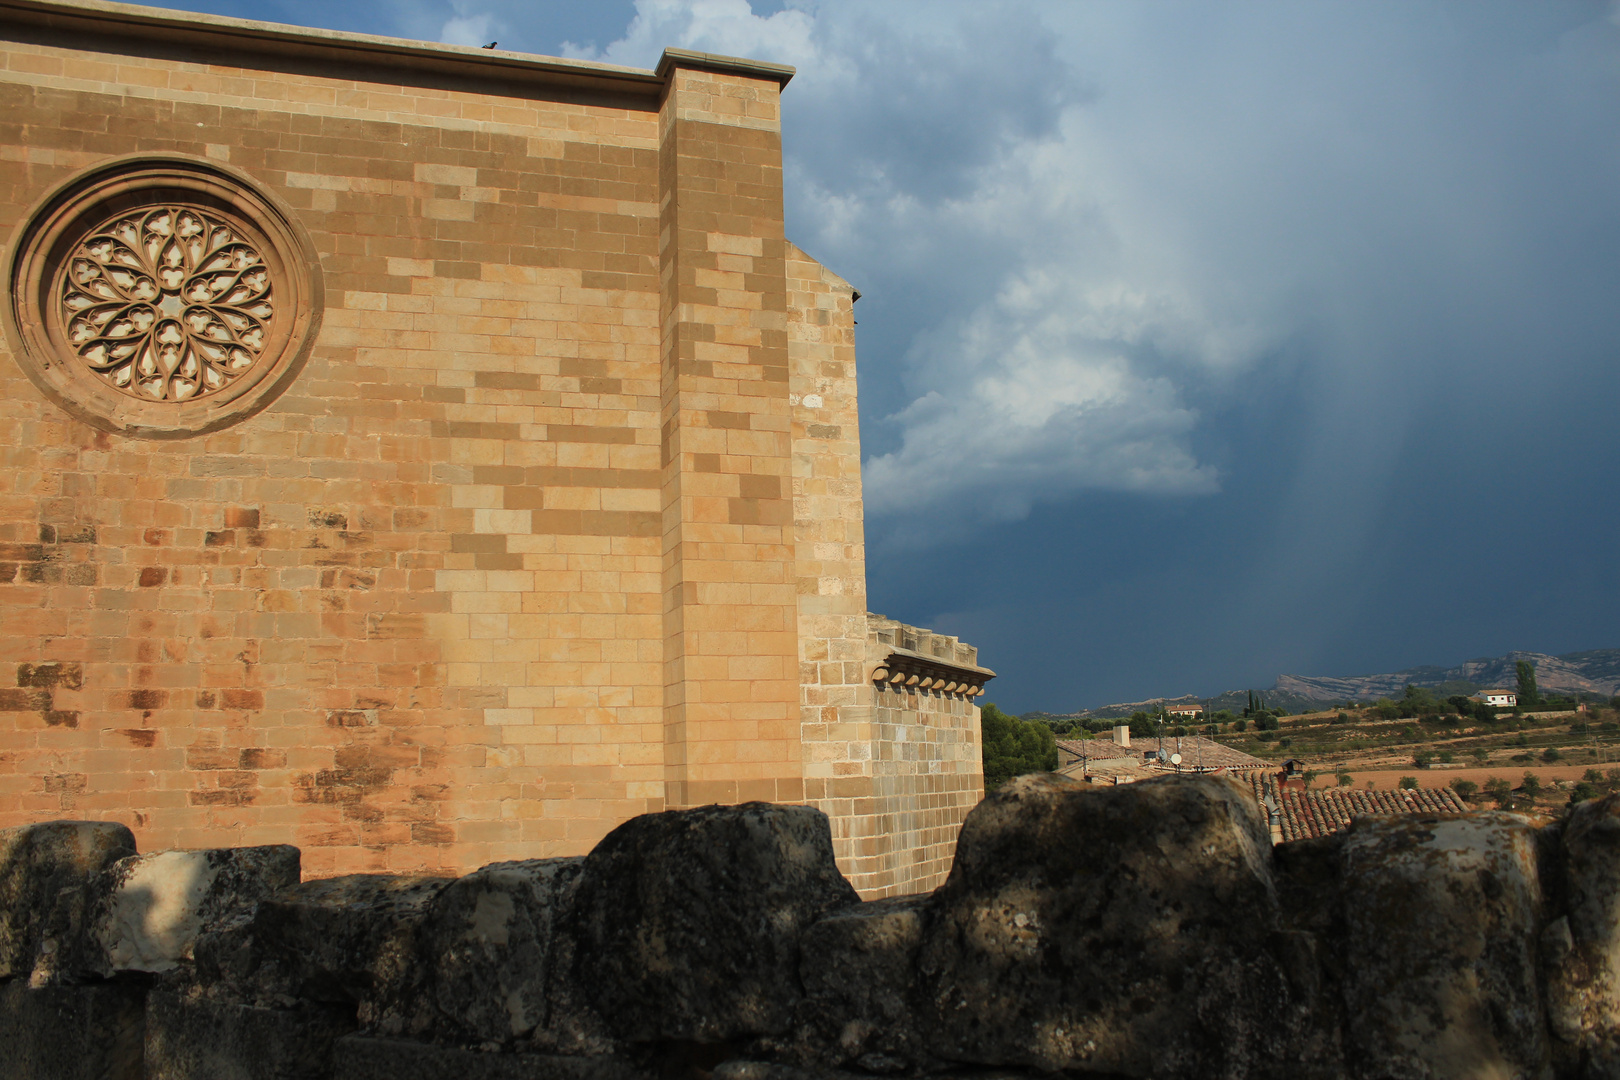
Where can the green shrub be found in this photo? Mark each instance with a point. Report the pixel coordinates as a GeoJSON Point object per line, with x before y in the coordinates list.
{"type": "Point", "coordinates": [1500, 790]}
{"type": "Point", "coordinates": [1583, 791]}
{"type": "Point", "coordinates": [1531, 785]}
{"type": "Point", "coordinates": [1409, 783]}
{"type": "Point", "coordinates": [1464, 788]}
{"type": "Point", "coordinates": [1013, 747]}
{"type": "Point", "coordinates": [1550, 754]}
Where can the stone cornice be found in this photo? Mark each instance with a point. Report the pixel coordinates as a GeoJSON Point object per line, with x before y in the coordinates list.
{"type": "Point", "coordinates": [131, 21]}
{"type": "Point", "coordinates": [728, 65]}
{"type": "Point", "coordinates": [909, 670]}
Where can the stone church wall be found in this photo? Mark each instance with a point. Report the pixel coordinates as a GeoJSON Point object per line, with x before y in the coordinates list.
{"type": "Point", "coordinates": [557, 523]}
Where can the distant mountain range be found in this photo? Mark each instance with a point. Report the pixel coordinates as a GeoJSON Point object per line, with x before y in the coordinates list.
{"type": "Point", "coordinates": [1593, 672]}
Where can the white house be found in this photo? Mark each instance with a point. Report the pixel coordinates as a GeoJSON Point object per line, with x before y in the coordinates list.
{"type": "Point", "coordinates": [1501, 699]}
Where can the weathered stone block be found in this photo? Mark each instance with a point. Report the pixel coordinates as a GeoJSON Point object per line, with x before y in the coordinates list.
{"type": "Point", "coordinates": [1111, 929]}
{"type": "Point", "coordinates": [1441, 918]}
{"type": "Point", "coordinates": [151, 908]}
{"type": "Point", "coordinates": [60, 1032]}
{"type": "Point", "coordinates": [48, 875]}
{"type": "Point", "coordinates": [487, 946]}
{"type": "Point", "coordinates": [858, 966]}
{"type": "Point", "coordinates": [360, 1058]}
{"type": "Point", "coordinates": [209, 1040]}
{"type": "Point", "coordinates": [765, 1070]}
{"type": "Point", "coordinates": [1581, 951]}
{"type": "Point", "coordinates": [739, 1069]}
{"type": "Point", "coordinates": [686, 924]}
{"type": "Point", "coordinates": [340, 940]}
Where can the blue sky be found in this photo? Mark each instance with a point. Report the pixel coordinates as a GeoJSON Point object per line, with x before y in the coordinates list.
{"type": "Point", "coordinates": [1199, 342]}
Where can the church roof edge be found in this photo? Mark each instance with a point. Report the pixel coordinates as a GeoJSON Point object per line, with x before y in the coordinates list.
{"type": "Point", "coordinates": [267, 37]}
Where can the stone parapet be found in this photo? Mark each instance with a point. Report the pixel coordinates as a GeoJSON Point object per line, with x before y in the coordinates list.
{"type": "Point", "coordinates": [892, 743]}
{"type": "Point", "coordinates": [1148, 930]}
{"type": "Point", "coordinates": [884, 632]}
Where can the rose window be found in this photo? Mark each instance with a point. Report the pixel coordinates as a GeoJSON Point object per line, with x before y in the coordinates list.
{"type": "Point", "coordinates": [167, 304]}
{"type": "Point", "coordinates": [161, 297]}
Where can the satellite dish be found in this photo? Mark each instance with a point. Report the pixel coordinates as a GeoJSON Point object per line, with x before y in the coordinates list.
{"type": "Point", "coordinates": [1161, 755]}
{"type": "Point", "coordinates": [1175, 759]}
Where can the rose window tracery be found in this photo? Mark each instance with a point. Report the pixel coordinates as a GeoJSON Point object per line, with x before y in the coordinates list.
{"type": "Point", "coordinates": [160, 296]}
{"type": "Point", "coordinates": [168, 303]}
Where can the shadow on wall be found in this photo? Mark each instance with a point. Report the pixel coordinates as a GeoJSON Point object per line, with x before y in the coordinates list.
{"type": "Point", "coordinates": [1143, 930]}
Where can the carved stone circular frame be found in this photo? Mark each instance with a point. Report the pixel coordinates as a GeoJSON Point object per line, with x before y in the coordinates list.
{"type": "Point", "coordinates": [43, 246]}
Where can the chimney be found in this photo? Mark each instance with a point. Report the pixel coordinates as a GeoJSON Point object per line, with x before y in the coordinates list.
{"type": "Point", "coordinates": [1122, 735]}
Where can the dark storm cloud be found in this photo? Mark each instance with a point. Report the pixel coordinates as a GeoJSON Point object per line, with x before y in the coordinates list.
{"type": "Point", "coordinates": [1202, 341]}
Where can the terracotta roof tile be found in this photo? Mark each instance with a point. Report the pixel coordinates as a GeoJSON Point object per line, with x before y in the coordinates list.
{"type": "Point", "coordinates": [1307, 814]}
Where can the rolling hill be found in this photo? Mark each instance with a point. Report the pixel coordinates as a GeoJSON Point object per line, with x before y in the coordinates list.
{"type": "Point", "coordinates": [1596, 671]}
{"type": "Point", "coordinates": [1593, 672]}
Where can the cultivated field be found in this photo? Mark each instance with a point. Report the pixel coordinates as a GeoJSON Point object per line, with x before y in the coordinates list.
{"type": "Point", "coordinates": [1559, 749]}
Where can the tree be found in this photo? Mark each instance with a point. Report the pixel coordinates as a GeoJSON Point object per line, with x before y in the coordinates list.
{"type": "Point", "coordinates": [1482, 755]}
{"type": "Point", "coordinates": [1582, 792]}
{"type": "Point", "coordinates": [1409, 783]}
{"type": "Point", "coordinates": [1422, 758]}
{"type": "Point", "coordinates": [1500, 790]}
{"type": "Point", "coordinates": [1417, 701]}
{"type": "Point", "coordinates": [1528, 697]}
{"type": "Point", "coordinates": [1464, 788]}
{"type": "Point", "coordinates": [1530, 785]}
{"type": "Point", "coordinates": [1550, 754]}
{"type": "Point", "coordinates": [1014, 746]}
{"type": "Point", "coordinates": [1345, 779]}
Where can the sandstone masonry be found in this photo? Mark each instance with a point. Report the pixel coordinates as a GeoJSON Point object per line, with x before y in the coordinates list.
{"type": "Point", "coordinates": [510, 487]}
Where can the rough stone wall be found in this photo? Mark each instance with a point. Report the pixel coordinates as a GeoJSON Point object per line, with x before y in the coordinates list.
{"type": "Point", "coordinates": [509, 562]}
{"type": "Point", "coordinates": [1149, 930]}
{"type": "Point", "coordinates": [927, 764]}
{"type": "Point", "coordinates": [730, 709]}
{"type": "Point", "coordinates": [830, 548]}
{"type": "Point", "coordinates": [895, 770]}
